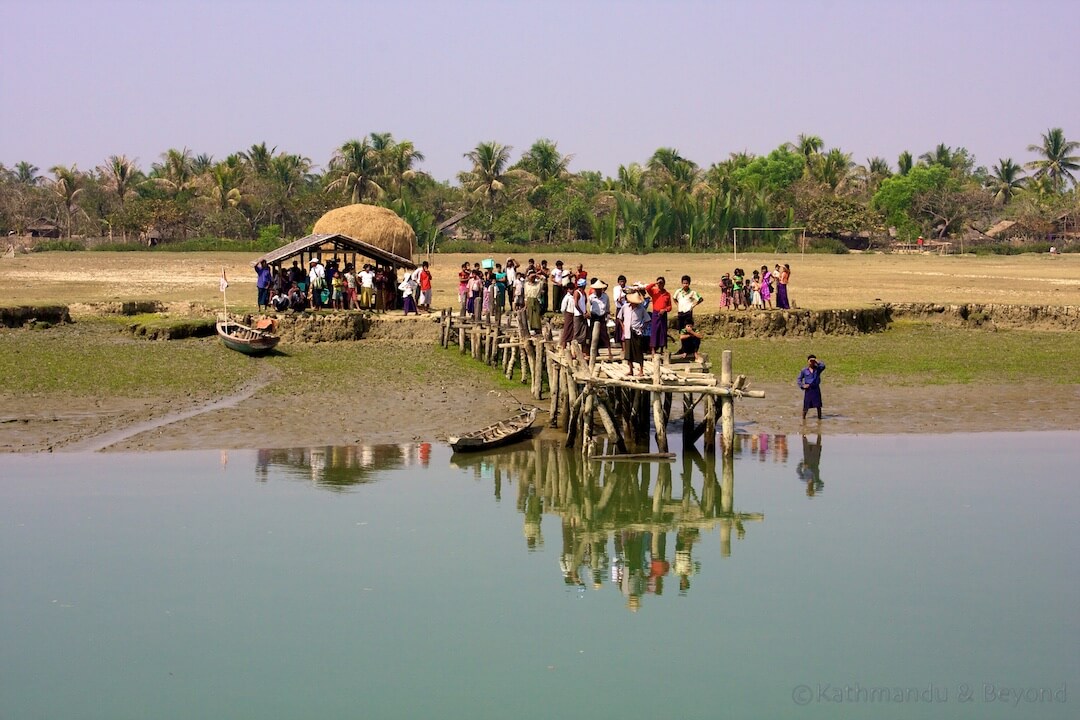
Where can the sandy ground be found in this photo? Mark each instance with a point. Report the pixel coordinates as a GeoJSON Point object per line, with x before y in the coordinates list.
{"type": "Point", "coordinates": [251, 420]}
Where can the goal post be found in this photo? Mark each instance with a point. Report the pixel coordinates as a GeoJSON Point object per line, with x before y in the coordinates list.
{"type": "Point", "coordinates": [735, 236]}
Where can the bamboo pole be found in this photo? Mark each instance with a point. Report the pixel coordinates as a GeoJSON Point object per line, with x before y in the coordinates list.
{"type": "Point", "coordinates": [587, 421]}
{"type": "Point", "coordinates": [664, 388]}
{"type": "Point", "coordinates": [659, 420]}
{"type": "Point", "coordinates": [553, 381]}
{"type": "Point", "coordinates": [727, 410]}
{"type": "Point", "coordinates": [461, 338]}
{"type": "Point", "coordinates": [710, 425]}
{"type": "Point", "coordinates": [604, 411]}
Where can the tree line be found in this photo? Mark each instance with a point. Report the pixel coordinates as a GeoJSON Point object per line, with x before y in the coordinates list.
{"type": "Point", "coordinates": [668, 202]}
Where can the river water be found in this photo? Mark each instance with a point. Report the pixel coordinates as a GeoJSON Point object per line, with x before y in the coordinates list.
{"type": "Point", "coordinates": [835, 577]}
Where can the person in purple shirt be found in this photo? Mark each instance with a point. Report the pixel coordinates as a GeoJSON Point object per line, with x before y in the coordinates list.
{"type": "Point", "coordinates": [262, 270]}
{"type": "Point", "coordinates": [810, 383]}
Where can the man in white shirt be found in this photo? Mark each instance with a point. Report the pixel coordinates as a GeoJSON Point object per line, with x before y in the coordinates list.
{"type": "Point", "coordinates": [366, 278]}
{"type": "Point", "coordinates": [317, 282]}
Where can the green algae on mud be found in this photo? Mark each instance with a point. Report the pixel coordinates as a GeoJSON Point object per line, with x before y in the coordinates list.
{"type": "Point", "coordinates": [914, 353]}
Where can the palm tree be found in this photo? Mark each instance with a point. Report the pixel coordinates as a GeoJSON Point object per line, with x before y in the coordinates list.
{"type": "Point", "coordinates": [1057, 162]}
{"type": "Point", "coordinates": [1005, 181]}
{"type": "Point", "coordinates": [202, 163]}
{"type": "Point", "coordinates": [879, 166]}
{"type": "Point", "coordinates": [287, 173]}
{"type": "Point", "coordinates": [941, 155]}
{"type": "Point", "coordinates": [120, 176]}
{"type": "Point", "coordinates": [397, 162]}
{"type": "Point", "coordinates": [832, 168]}
{"type": "Point", "coordinates": [353, 170]}
{"type": "Point", "coordinates": [175, 173]}
{"type": "Point", "coordinates": [258, 158]}
{"type": "Point", "coordinates": [809, 146]}
{"type": "Point", "coordinates": [226, 177]}
{"type": "Point", "coordinates": [27, 173]}
{"type": "Point", "coordinates": [904, 163]}
{"type": "Point", "coordinates": [487, 179]}
{"type": "Point", "coordinates": [669, 170]}
{"type": "Point", "coordinates": [544, 160]}
{"type": "Point", "coordinates": [67, 187]}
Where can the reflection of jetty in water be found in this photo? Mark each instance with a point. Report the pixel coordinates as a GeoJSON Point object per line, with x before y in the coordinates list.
{"type": "Point", "coordinates": [339, 467]}
{"type": "Point", "coordinates": [618, 520]}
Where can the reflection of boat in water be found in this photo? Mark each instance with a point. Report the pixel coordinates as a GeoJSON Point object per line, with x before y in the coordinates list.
{"type": "Point", "coordinates": [501, 433]}
{"type": "Point", "coordinates": [244, 339]}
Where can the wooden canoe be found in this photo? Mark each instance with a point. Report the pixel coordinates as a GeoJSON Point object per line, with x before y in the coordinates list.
{"type": "Point", "coordinates": [501, 433]}
{"type": "Point", "coordinates": [241, 338]}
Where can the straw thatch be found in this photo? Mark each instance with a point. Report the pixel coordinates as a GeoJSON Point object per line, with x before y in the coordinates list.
{"type": "Point", "coordinates": [374, 225]}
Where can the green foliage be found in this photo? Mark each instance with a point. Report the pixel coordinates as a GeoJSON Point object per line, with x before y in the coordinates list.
{"type": "Point", "coordinates": [59, 244]}
{"type": "Point", "coordinates": [832, 215]}
{"type": "Point", "coordinates": [827, 246]}
{"type": "Point", "coordinates": [775, 172]}
{"type": "Point", "coordinates": [896, 195]}
{"type": "Point", "coordinates": [916, 353]}
{"type": "Point", "coordinates": [270, 235]}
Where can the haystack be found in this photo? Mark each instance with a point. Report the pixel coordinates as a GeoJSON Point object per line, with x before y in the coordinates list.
{"type": "Point", "coordinates": [377, 226]}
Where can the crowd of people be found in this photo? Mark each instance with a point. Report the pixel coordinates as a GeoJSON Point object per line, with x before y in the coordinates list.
{"type": "Point", "coordinates": [635, 316]}
{"type": "Point", "coordinates": [737, 291]}
{"type": "Point", "coordinates": [340, 286]}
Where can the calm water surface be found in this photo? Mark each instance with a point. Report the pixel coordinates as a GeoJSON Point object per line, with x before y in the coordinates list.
{"type": "Point", "coordinates": [840, 577]}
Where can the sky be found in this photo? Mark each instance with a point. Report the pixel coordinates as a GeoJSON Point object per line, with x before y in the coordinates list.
{"type": "Point", "coordinates": [609, 82]}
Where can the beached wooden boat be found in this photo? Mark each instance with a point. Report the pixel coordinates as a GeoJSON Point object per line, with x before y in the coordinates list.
{"type": "Point", "coordinates": [501, 433]}
{"type": "Point", "coordinates": [241, 338]}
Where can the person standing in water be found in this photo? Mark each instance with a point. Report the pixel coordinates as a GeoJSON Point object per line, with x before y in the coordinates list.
{"type": "Point", "coordinates": [810, 382]}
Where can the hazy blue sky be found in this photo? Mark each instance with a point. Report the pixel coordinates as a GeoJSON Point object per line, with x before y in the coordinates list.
{"type": "Point", "coordinates": [608, 81]}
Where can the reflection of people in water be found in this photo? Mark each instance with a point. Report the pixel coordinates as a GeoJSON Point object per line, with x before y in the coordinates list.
{"type": "Point", "coordinates": [809, 470]}
{"type": "Point", "coordinates": [684, 560]}
{"type": "Point", "coordinates": [534, 510]}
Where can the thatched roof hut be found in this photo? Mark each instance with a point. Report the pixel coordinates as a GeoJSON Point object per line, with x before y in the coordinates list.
{"type": "Point", "coordinates": [370, 224]}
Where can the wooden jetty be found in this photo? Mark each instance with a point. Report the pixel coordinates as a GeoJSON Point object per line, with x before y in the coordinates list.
{"type": "Point", "coordinates": [587, 387]}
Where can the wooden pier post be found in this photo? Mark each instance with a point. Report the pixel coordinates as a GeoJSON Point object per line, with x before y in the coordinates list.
{"type": "Point", "coordinates": [727, 411]}
{"type": "Point", "coordinates": [710, 425]}
{"type": "Point", "coordinates": [659, 419]}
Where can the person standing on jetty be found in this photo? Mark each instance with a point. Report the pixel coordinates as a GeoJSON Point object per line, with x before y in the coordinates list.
{"type": "Point", "coordinates": [810, 382]}
{"type": "Point", "coordinates": [661, 306]}
{"type": "Point", "coordinates": [685, 302]}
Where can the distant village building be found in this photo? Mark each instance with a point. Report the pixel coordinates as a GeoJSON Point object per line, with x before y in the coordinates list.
{"type": "Point", "coordinates": [43, 228]}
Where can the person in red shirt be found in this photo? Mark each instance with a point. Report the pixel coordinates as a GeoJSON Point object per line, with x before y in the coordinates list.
{"type": "Point", "coordinates": [425, 287]}
{"type": "Point", "coordinates": [661, 306]}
